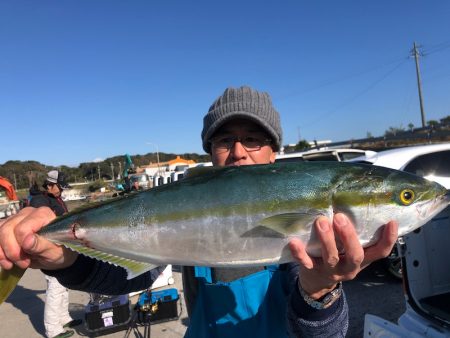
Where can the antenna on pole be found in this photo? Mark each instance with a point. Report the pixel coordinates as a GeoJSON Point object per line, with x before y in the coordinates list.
{"type": "Point", "coordinates": [416, 55]}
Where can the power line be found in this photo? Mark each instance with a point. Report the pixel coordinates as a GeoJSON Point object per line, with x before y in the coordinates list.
{"type": "Point", "coordinates": [415, 53]}
{"type": "Point", "coordinates": [431, 50]}
{"type": "Point", "coordinates": [353, 98]}
{"type": "Point", "coordinates": [340, 79]}
{"type": "Point", "coordinates": [437, 48]}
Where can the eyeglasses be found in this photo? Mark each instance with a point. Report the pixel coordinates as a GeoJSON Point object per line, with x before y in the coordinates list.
{"type": "Point", "coordinates": [250, 143]}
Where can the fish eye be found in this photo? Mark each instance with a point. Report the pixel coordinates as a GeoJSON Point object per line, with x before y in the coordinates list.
{"type": "Point", "coordinates": [407, 196]}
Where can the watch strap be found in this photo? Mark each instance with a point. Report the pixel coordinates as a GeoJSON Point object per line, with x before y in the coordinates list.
{"type": "Point", "coordinates": [325, 301]}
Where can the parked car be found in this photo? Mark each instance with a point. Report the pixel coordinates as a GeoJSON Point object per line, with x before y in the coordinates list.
{"type": "Point", "coordinates": [423, 253]}
{"type": "Point", "coordinates": [342, 154]}
{"type": "Point", "coordinates": [430, 161]}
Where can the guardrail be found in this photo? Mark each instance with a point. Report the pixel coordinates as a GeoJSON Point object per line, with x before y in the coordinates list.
{"type": "Point", "coordinates": [422, 135]}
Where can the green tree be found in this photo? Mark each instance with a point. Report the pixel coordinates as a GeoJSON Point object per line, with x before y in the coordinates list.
{"type": "Point", "coordinates": [302, 145]}
{"type": "Point", "coordinates": [433, 123]}
{"type": "Point", "coordinates": [392, 131]}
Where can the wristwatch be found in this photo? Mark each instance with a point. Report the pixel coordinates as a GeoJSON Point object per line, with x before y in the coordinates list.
{"type": "Point", "coordinates": [324, 302]}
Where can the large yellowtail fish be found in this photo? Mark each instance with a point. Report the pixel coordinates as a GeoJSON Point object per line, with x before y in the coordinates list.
{"type": "Point", "coordinates": [242, 216]}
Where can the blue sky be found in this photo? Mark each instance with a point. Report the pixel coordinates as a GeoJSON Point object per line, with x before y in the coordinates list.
{"type": "Point", "coordinates": [83, 80]}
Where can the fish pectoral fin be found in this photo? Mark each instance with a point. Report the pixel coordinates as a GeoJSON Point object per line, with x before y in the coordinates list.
{"type": "Point", "coordinates": [9, 280]}
{"type": "Point", "coordinates": [288, 224]}
{"type": "Point", "coordinates": [134, 268]}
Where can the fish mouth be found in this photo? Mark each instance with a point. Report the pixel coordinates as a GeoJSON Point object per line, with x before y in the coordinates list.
{"type": "Point", "coordinates": [432, 207]}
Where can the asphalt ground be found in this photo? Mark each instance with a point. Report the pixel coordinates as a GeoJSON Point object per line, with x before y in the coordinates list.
{"type": "Point", "coordinates": [22, 313]}
{"type": "Point", "coordinates": [373, 291]}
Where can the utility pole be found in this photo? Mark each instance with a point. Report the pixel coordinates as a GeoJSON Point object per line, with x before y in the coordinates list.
{"type": "Point", "coordinates": [112, 171]}
{"type": "Point", "coordinates": [157, 158]}
{"type": "Point", "coordinates": [98, 166]}
{"type": "Point", "coordinates": [416, 55]}
{"type": "Point", "coordinates": [157, 154]}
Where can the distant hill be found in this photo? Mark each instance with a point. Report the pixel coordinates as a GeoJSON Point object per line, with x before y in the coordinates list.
{"type": "Point", "coordinates": [22, 173]}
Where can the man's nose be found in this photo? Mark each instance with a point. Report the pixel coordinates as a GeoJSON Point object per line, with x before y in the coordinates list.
{"type": "Point", "coordinates": [238, 150]}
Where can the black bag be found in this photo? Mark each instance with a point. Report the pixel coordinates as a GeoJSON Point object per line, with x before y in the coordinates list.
{"type": "Point", "coordinates": [107, 314]}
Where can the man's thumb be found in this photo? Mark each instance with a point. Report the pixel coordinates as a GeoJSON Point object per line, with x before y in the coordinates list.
{"type": "Point", "coordinates": [31, 244]}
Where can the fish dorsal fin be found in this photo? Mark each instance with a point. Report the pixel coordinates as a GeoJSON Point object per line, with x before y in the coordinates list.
{"type": "Point", "coordinates": [289, 223]}
{"type": "Point", "coordinates": [134, 268]}
{"type": "Point", "coordinates": [9, 280]}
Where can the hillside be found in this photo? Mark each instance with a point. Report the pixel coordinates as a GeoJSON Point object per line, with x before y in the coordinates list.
{"type": "Point", "coordinates": [22, 173]}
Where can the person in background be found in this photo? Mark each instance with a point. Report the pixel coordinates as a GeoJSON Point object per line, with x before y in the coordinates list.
{"type": "Point", "coordinates": [33, 191]}
{"type": "Point", "coordinates": [304, 298]}
{"type": "Point", "coordinates": [57, 319]}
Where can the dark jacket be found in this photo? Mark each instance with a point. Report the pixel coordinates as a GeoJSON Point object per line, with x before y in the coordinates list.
{"type": "Point", "coordinates": [48, 200]}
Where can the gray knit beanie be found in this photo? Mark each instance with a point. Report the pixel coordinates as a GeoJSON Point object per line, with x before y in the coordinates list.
{"type": "Point", "coordinates": [243, 102]}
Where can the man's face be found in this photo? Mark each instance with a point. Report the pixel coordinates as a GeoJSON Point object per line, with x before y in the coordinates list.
{"type": "Point", "coordinates": [241, 142]}
{"type": "Point", "coordinates": [53, 189]}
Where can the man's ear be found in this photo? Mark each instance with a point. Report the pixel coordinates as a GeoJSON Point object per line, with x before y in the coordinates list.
{"type": "Point", "coordinates": [273, 156]}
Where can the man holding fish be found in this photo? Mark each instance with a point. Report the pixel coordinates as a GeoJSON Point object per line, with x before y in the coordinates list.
{"type": "Point", "coordinates": [302, 298]}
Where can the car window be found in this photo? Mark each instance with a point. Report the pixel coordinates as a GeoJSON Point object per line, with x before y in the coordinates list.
{"type": "Point", "coordinates": [348, 156]}
{"type": "Point", "coordinates": [437, 164]}
{"type": "Point", "coordinates": [289, 159]}
{"type": "Point", "coordinates": [363, 162]}
{"type": "Point", "coordinates": [320, 157]}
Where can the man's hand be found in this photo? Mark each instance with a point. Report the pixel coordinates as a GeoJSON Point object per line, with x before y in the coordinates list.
{"type": "Point", "coordinates": [318, 276]}
{"type": "Point", "coordinates": [21, 246]}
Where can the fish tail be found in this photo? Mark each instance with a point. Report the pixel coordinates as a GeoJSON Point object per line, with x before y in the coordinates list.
{"type": "Point", "coordinates": [9, 280]}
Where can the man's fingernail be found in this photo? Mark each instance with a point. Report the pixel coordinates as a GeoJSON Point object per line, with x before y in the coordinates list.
{"type": "Point", "coordinates": [323, 224]}
{"type": "Point", "coordinates": [340, 220]}
{"type": "Point", "coordinates": [35, 242]}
